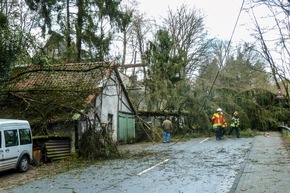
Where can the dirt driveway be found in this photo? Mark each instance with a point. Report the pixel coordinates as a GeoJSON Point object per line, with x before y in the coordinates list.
{"type": "Point", "coordinates": [13, 178]}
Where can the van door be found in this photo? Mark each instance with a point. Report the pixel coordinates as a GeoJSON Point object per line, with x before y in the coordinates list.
{"type": "Point", "coordinates": [11, 149]}
{"type": "Point", "coordinates": [1, 150]}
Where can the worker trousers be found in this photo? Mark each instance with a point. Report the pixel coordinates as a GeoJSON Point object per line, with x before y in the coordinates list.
{"type": "Point", "coordinates": [237, 130]}
{"type": "Point", "coordinates": [218, 133]}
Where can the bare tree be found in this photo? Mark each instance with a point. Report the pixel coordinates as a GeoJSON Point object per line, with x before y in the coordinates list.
{"type": "Point", "coordinates": [130, 7]}
{"type": "Point", "coordinates": [186, 27]}
{"type": "Point", "coordinates": [272, 31]}
{"type": "Point", "coordinates": [135, 37]}
{"type": "Point", "coordinates": [141, 30]}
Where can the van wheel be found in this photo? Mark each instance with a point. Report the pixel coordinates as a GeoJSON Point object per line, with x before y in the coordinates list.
{"type": "Point", "coordinates": [23, 164]}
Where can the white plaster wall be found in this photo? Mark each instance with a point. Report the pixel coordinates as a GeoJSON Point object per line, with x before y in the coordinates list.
{"type": "Point", "coordinates": [124, 103]}
{"type": "Point", "coordinates": [110, 105]}
{"type": "Point", "coordinates": [111, 101]}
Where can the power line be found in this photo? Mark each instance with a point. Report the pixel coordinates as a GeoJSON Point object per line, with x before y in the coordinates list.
{"type": "Point", "coordinates": [224, 57]}
{"type": "Point", "coordinates": [226, 53]}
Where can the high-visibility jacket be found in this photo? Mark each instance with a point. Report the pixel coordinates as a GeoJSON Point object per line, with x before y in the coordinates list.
{"type": "Point", "coordinates": [218, 120]}
{"type": "Point", "coordinates": [235, 122]}
{"type": "Point", "coordinates": [224, 123]}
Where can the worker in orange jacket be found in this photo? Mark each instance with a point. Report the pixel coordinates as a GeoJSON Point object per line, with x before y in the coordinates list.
{"type": "Point", "coordinates": [218, 122]}
{"type": "Point", "coordinates": [224, 127]}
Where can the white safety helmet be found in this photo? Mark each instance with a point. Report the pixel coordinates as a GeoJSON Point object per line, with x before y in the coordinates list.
{"type": "Point", "coordinates": [219, 110]}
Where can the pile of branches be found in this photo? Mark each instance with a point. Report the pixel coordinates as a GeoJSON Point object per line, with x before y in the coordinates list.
{"type": "Point", "coordinates": [97, 144]}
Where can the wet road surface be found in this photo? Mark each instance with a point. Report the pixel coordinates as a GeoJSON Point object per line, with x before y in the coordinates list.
{"type": "Point", "coordinates": [199, 165]}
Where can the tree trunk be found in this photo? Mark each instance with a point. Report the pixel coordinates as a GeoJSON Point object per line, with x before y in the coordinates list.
{"type": "Point", "coordinates": [79, 27]}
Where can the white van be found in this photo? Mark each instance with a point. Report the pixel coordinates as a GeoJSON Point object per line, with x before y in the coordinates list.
{"type": "Point", "coordinates": [15, 144]}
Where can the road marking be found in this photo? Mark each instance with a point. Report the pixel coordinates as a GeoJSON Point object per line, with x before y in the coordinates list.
{"type": "Point", "coordinates": [204, 140]}
{"type": "Point", "coordinates": [153, 167]}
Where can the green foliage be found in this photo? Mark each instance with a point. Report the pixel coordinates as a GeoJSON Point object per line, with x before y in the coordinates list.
{"type": "Point", "coordinates": [3, 21]}
{"type": "Point", "coordinates": [45, 9]}
{"type": "Point", "coordinates": [88, 25]}
{"type": "Point", "coordinates": [42, 108]}
{"type": "Point", "coordinates": [242, 85]}
{"type": "Point", "coordinates": [40, 59]}
{"type": "Point", "coordinates": [165, 82]}
{"type": "Point", "coordinates": [124, 20]}
{"type": "Point", "coordinates": [10, 48]}
{"type": "Point", "coordinates": [248, 132]}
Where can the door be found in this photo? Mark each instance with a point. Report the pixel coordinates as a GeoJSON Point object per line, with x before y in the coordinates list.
{"type": "Point", "coordinates": [10, 149]}
{"type": "Point", "coordinates": [126, 130]}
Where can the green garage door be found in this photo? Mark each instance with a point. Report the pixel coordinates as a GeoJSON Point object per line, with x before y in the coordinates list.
{"type": "Point", "coordinates": [126, 131]}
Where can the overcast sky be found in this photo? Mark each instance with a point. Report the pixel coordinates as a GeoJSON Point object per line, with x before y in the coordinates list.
{"type": "Point", "coordinates": [220, 16]}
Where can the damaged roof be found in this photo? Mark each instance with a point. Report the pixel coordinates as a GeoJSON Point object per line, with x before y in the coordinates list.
{"type": "Point", "coordinates": [64, 77]}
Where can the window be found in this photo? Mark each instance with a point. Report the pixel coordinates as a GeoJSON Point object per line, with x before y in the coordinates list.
{"type": "Point", "coordinates": [110, 122]}
{"type": "Point", "coordinates": [25, 136]}
{"type": "Point", "coordinates": [0, 139]}
{"type": "Point", "coordinates": [11, 137]}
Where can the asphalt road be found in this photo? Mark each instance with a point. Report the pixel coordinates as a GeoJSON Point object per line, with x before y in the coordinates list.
{"type": "Point", "coordinates": [201, 165]}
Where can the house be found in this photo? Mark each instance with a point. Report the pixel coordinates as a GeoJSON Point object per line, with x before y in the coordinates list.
{"type": "Point", "coordinates": [55, 46]}
{"type": "Point", "coordinates": [67, 97]}
{"type": "Point", "coordinates": [114, 107]}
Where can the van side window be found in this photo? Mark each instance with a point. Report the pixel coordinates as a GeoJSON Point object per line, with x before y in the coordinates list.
{"type": "Point", "coordinates": [11, 138]}
{"type": "Point", "coordinates": [25, 136]}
